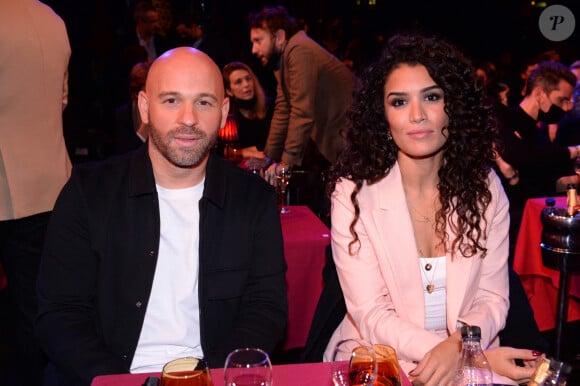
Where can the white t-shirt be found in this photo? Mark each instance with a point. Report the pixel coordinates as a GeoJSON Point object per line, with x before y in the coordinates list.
{"type": "Point", "coordinates": [171, 326]}
{"type": "Point", "coordinates": [435, 304]}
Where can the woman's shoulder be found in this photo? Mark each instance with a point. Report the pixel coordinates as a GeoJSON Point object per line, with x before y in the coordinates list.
{"type": "Point", "coordinates": [494, 181]}
{"type": "Point", "coordinates": [495, 187]}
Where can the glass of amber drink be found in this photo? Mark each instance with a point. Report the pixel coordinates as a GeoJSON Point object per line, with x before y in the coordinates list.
{"type": "Point", "coordinates": [354, 363]}
{"type": "Point", "coordinates": [388, 370]}
{"type": "Point", "coordinates": [186, 372]}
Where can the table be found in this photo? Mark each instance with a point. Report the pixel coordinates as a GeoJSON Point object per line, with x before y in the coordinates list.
{"type": "Point", "coordinates": [305, 241]}
{"type": "Point", "coordinates": [541, 283]}
{"type": "Point", "coordinates": [301, 374]}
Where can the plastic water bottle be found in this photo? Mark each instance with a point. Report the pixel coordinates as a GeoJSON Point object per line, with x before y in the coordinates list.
{"type": "Point", "coordinates": [473, 368]}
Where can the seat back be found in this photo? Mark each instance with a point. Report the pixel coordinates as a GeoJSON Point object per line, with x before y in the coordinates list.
{"type": "Point", "coordinates": [329, 312]}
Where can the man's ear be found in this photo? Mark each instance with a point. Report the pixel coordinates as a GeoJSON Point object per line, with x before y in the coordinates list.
{"type": "Point", "coordinates": [225, 111]}
{"type": "Point", "coordinates": [143, 104]}
{"type": "Point", "coordinates": [280, 37]}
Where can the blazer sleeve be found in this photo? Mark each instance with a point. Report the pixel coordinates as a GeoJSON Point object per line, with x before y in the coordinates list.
{"type": "Point", "coordinates": [301, 79]}
{"type": "Point", "coordinates": [486, 305]}
{"type": "Point", "coordinates": [279, 123]}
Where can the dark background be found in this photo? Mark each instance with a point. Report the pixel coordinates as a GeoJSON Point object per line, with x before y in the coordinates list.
{"type": "Point", "coordinates": [503, 31]}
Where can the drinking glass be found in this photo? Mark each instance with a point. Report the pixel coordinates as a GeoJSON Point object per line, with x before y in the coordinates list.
{"type": "Point", "coordinates": [186, 372]}
{"type": "Point", "coordinates": [354, 362]}
{"type": "Point", "coordinates": [283, 174]}
{"type": "Point", "coordinates": [388, 371]}
{"type": "Point", "coordinates": [248, 367]}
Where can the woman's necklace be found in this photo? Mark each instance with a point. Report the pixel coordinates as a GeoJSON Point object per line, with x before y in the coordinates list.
{"type": "Point", "coordinates": [428, 268]}
{"type": "Point", "coordinates": [422, 217]}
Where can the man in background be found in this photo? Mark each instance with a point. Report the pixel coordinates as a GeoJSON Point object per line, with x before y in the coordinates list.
{"type": "Point", "coordinates": [148, 29]}
{"type": "Point", "coordinates": [313, 93]}
{"type": "Point", "coordinates": [130, 132]}
{"type": "Point", "coordinates": [548, 96]}
{"type": "Point", "coordinates": [34, 164]}
{"type": "Point", "coordinates": [192, 31]}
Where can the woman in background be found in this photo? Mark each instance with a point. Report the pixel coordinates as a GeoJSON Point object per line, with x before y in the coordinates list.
{"type": "Point", "coordinates": [419, 218]}
{"type": "Point", "coordinates": [250, 107]}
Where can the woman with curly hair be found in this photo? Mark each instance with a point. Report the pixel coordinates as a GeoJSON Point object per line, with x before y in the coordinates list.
{"type": "Point", "coordinates": [419, 218]}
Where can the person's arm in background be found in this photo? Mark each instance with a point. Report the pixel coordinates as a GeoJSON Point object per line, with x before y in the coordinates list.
{"type": "Point", "coordinates": [279, 124]}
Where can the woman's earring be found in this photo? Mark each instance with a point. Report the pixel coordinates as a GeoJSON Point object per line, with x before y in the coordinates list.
{"type": "Point", "coordinates": [389, 136]}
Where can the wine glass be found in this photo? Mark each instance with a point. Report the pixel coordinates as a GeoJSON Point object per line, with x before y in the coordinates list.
{"type": "Point", "coordinates": [186, 372]}
{"type": "Point", "coordinates": [283, 174]}
{"type": "Point", "coordinates": [248, 367]}
{"type": "Point", "coordinates": [354, 362]}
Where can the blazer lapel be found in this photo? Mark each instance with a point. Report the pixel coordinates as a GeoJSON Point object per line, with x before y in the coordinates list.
{"type": "Point", "coordinates": [398, 257]}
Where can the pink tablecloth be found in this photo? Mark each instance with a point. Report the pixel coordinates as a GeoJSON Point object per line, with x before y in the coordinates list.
{"type": "Point", "coordinates": [541, 283]}
{"type": "Point", "coordinates": [305, 240]}
{"type": "Point", "coordinates": [302, 374]}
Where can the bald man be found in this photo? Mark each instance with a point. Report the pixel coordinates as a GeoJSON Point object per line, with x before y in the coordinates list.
{"type": "Point", "coordinates": [165, 252]}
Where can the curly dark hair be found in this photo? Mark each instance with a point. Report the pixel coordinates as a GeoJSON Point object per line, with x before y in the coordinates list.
{"type": "Point", "coordinates": [468, 155]}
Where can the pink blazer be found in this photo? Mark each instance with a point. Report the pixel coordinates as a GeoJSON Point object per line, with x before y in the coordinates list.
{"type": "Point", "coordinates": [382, 282]}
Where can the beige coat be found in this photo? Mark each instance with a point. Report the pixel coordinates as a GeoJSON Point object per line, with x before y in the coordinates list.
{"type": "Point", "coordinates": [34, 56]}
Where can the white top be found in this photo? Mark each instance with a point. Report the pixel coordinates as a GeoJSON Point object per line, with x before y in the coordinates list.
{"type": "Point", "coordinates": [171, 326]}
{"type": "Point", "coordinates": [435, 304]}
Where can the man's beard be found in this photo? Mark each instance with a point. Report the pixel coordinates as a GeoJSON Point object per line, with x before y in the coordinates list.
{"type": "Point", "coordinates": [274, 60]}
{"type": "Point", "coordinates": [183, 157]}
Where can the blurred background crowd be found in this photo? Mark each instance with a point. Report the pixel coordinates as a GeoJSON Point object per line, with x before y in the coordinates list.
{"type": "Point", "coordinates": [503, 34]}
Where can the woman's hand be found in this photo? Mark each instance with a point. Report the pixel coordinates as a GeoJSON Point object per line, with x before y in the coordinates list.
{"type": "Point", "coordinates": [503, 362]}
{"type": "Point", "coordinates": [439, 364]}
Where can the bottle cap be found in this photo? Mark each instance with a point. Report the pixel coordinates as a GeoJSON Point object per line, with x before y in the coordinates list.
{"type": "Point", "coordinates": [471, 332]}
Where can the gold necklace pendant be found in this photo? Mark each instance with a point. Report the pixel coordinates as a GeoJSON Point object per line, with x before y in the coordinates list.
{"type": "Point", "coordinates": [430, 287]}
